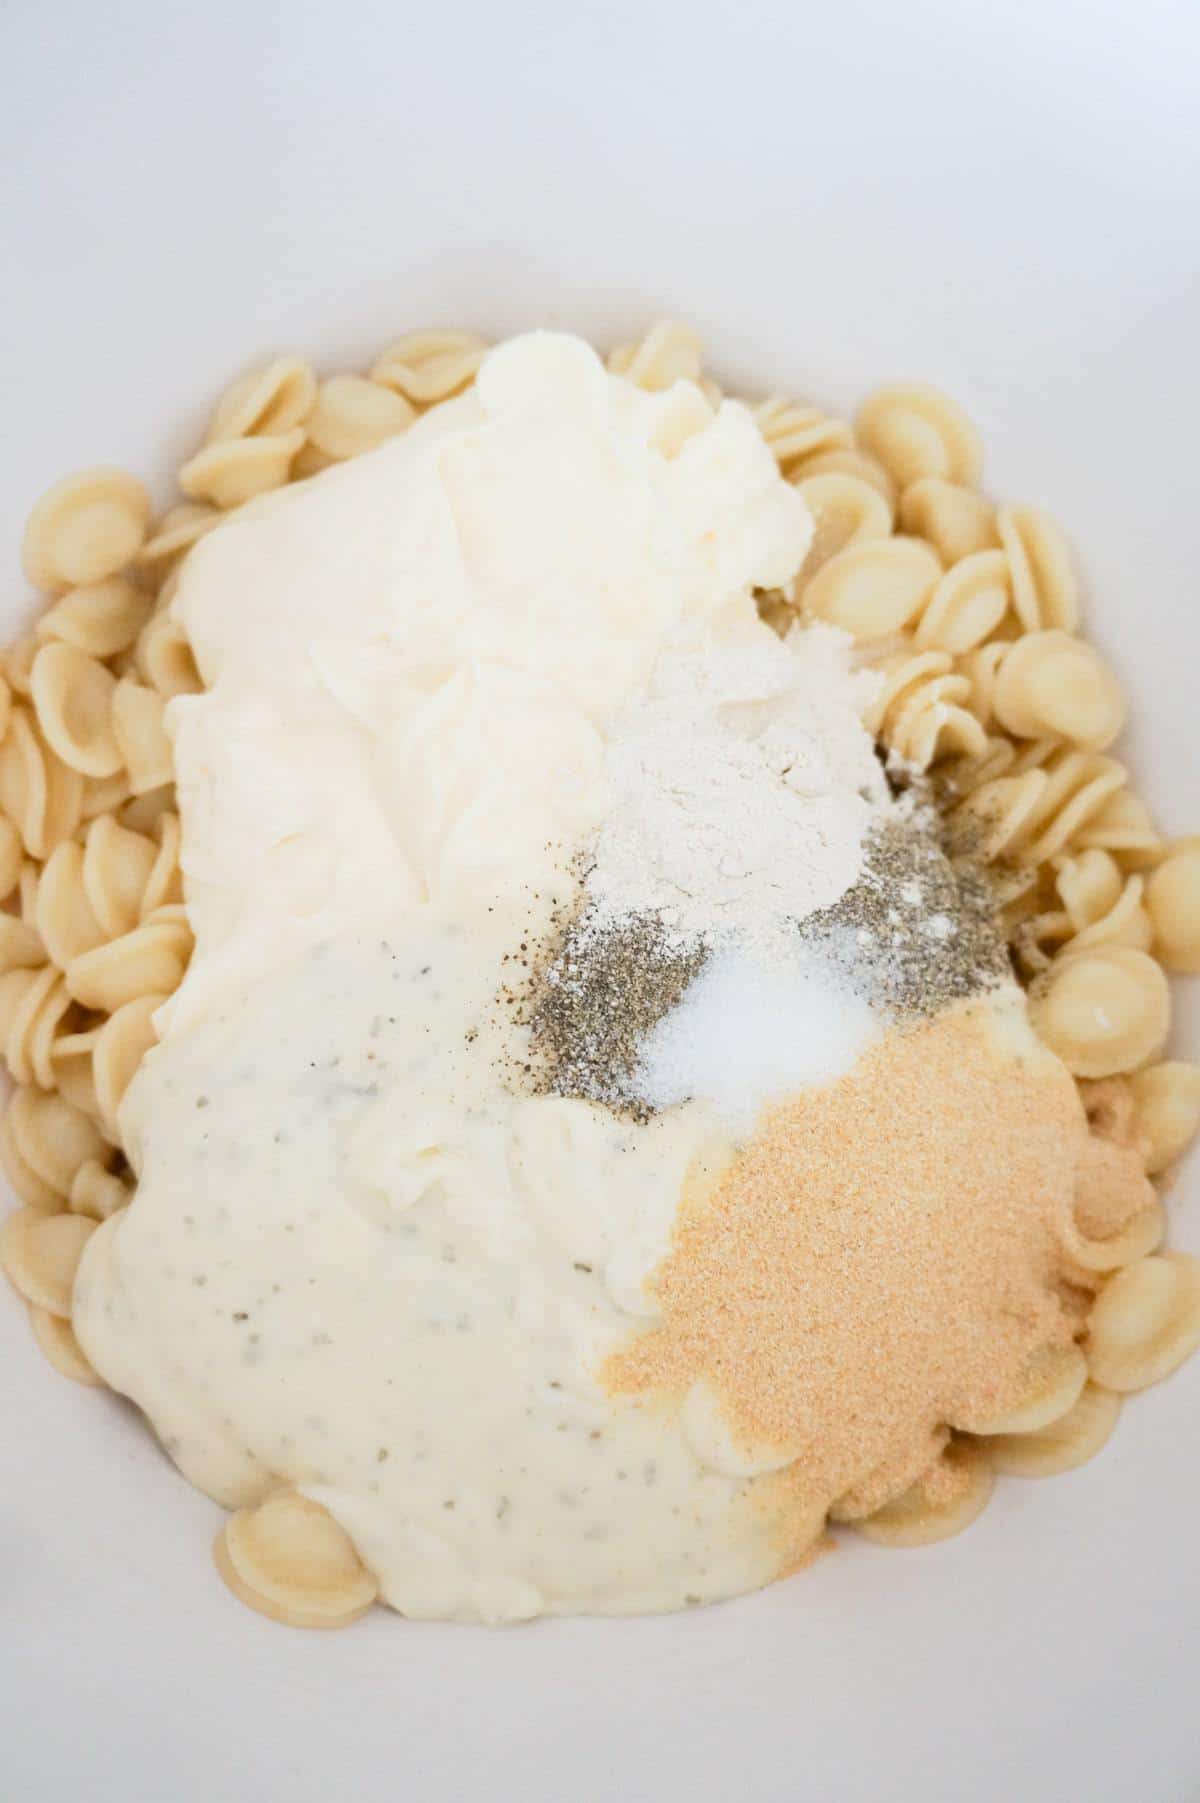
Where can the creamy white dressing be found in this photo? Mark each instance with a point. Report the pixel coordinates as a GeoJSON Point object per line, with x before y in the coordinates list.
{"type": "Point", "coordinates": [359, 1258]}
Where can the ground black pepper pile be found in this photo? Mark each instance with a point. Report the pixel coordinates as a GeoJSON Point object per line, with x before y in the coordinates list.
{"type": "Point", "coordinates": [596, 1001]}
{"type": "Point", "coordinates": [916, 931]}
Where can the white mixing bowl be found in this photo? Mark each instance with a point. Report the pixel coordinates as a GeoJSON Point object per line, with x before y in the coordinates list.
{"type": "Point", "coordinates": [1000, 198]}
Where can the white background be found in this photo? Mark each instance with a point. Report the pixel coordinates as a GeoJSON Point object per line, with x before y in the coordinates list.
{"type": "Point", "coordinates": [998, 197]}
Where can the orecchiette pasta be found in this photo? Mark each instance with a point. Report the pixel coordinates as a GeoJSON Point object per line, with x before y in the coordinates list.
{"type": "Point", "coordinates": [1103, 1010]}
{"type": "Point", "coordinates": [939, 1505]}
{"type": "Point", "coordinates": [916, 431]}
{"type": "Point", "coordinates": [56, 1337]}
{"type": "Point", "coordinates": [30, 1189]}
{"type": "Point", "coordinates": [1061, 1445]}
{"type": "Point", "coordinates": [164, 658]}
{"type": "Point", "coordinates": [120, 1045]}
{"type": "Point", "coordinates": [53, 1138]}
{"type": "Point", "coordinates": [289, 1559]}
{"type": "Point", "coordinates": [1055, 1382]}
{"type": "Point", "coordinates": [150, 960]}
{"type": "Point", "coordinates": [427, 367]}
{"type": "Point", "coordinates": [137, 718]}
{"type": "Point", "coordinates": [920, 713]}
{"type": "Point", "coordinates": [957, 521]}
{"type": "Point", "coordinates": [797, 434]}
{"type": "Point", "coordinates": [846, 511]}
{"type": "Point", "coordinates": [967, 605]}
{"type": "Point", "coordinates": [98, 1193]}
{"type": "Point", "coordinates": [353, 415]}
{"type": "Point", "coordinates": [85, 529]}
{"type": "Point", "coordinates": [845, 461]}
{"type": "Point", "coordinates": [12, 856]}
{"type": "Point", "coordinates": [72, 694]}
{"type": "Point", "coordinates": [42, 796]}
{"type": "Point", "coordinates": [234, 470]}
{"type": "Point", "coordinates": [1097, 903]}
{"type": "Point", "coordinates": [1123, 826]}
{"type": "Point", "coordinates": [1052, 685]}
{"type": "Point", "coordinates": [874, 589]}
{"type": "Point", "coordinates": [1145, 1322]}
{"type": "Point", "coordinates": [1045, 592]}
{"type": "Point", "coordinates": [41, 1253]}
{"type": "Point", "coordinates": [1166, 1101]}
{"type": "Point", "coordinates": [178, 530]}
{"type": "Point", "coordinates": [1032, 814]}
{"type": "Point", "coordinates": [100, 619]}
{"type": "Point", "coordinates": [268, 401]}
{"type": "Point", "coordinates": [669, 353]}
{"type": "Point", "coordinates": [1173, 901]}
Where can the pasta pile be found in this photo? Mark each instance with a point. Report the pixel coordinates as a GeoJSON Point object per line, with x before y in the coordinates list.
{"type": "Point", "coordinates": [968, 610]}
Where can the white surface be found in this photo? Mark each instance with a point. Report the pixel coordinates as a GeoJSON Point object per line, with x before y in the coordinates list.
{"type": "Point", "coordinates": [998, 197]}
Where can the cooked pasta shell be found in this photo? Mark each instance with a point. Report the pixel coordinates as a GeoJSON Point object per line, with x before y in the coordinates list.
{"type": "Point", "coordinates": [795, 434]}
{"type": "Point", "coordinates": [353, 415]}
{"type": "Point", "coordinates": [56, 1337]}
{"type": "Point", "coordinates": [175, 534]}
{"type": "Point", "coordinates": [266, 402]}
{"type": "Point", "coordinates": [846, 461]}
{"type": "Point", "coordinates": [85, 529]}
{"type": "Point", "coordinates": [41, 1253]}
{"type": "Point", "coordinates": [53, 1138]}
{"type": "Point", "coordinates": [121, 1044]}
{"type": "Point", "coordinates": [164, 658]}
{"type": "Point", "coordinates": [164, 885]}
{"type": "Point", "coordinates": [967, 605]}
{"type": "Point", "coordinates": [100, 620]}
{"type": "Point", "coordinates": [290, 1560]}
{"type": "Point", "coordinates": [427, 367]}
{"type": "Point", "coordinates": [1053, 685]}
{"type": "Point", "coordinates": [916, 431]}
{"type": "Point", "coordinates": [670, 352]}
{"type": "Point", "coordinates": [72, 694]}
{"type": "Point", "coordinates": [1061, 1445]}
{"type": "Point", "coordinates": [1104, 1010]}
{"type": "Point", "coordinates": [98, 1193]}
{"type": "Point", "coordinates": [117, 867]}
{"type": "Point", "coordinates": [1166, 1102]}
{"type": "Point", "coordinates": [234, 470]}
{"type": "Point", "coordinates": [1173, 902]}
{"type": "Point", "coordinates": [1145, 1322]}
{"type": "Point", "coordinates": [1053, 1385]}
{"type": "Point", "coordinates": [845, 511]}
{"type": "Point", "coordinates": [21, 947]}
{"type": "Point", "coordinates": [65, 920]}
{"type": "Point", "coordinates": [1045, 589]}
{"type": "Point", "coordinates": [137, 717]}
{"type": "Point", "coordinates": [942, 1503]}
{"type": "Point", "coordinates": [957, 521]}
{"type": "Point", "coordinates": [28, 1187]}
{"type": "Point", "coordinates": [875, 589]}
{"type": "Point", "coordinates": [150, 960]}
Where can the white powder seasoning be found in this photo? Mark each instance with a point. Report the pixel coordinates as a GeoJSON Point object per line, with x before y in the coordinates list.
{"type": "Point", "coordinates": [741, 791]}
{"type": "Point", "coordinates": [741, 787]}
{"type": "Point", "coordinates": [748, 1033]}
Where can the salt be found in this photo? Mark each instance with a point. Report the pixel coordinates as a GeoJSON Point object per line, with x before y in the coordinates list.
{"type": "Point", "coordinates": [749, 1032]}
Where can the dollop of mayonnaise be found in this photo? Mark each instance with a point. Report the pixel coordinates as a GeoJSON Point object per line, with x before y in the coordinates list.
{"type": "Point", "coordinates": [359, 1260]}
{"type": "Point", "coordinates": [410, 662]}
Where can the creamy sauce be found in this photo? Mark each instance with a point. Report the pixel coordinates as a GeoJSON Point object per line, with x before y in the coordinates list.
{"type": "Point", "coordinates": [358, 1259]}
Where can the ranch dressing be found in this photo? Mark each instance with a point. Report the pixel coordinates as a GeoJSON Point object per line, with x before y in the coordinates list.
{"type": "Point", "coordinates": [360, 1259]}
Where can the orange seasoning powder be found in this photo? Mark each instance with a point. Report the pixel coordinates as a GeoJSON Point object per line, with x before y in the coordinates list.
{"type": "Point", "coordinates": [883, 1259]}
